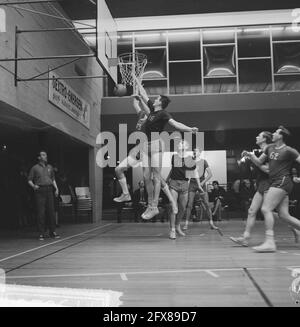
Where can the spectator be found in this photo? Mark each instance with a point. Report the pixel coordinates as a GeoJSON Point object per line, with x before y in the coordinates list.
{"type": "Point", "coordinates": [139, 200]}
{"type": "Point", "coordinates": [218, 195]}
{"type": "Point", "coordinates": [41, 179]}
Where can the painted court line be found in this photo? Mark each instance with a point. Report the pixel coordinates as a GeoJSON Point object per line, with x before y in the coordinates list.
{"type": "Point", "coordinates": [55, 242]}
{"type": "Point", "coordinates": [123, 277]}
{"type": "Point", "coordinates": [212, 273]}
{"type": "Point", "coordinates": [283, 252]}
{"type": "Point", "coordinates": [137, 273]}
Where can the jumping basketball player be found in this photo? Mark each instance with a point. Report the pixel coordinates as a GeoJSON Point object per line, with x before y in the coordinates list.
{"type": "Point", "coordinates": [152, 154]}
{"type": "Point", "coordinates": [133, 158]}
{"type": "Point", "coordinates": [280, 158]}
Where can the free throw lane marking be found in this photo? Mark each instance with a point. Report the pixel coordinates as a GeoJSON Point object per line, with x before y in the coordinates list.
{"type": "Point", "coordinates": [55, 242]}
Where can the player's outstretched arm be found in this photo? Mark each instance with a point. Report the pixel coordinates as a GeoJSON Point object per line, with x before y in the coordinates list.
{"type": "Point", "coordinates": [141, 90]}
{"type": "Point", "coordinates": [182, 127]}
{"type": "Point", "coordinates": [136, 104]}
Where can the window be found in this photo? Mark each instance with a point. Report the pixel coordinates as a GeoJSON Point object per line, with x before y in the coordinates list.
{"type": "Point", "coordinates": [184, 45]}
{"type": "Point", "coordinates": [185, 78]}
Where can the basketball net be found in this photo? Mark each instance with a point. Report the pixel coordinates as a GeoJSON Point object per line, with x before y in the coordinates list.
{"type": "Point", "coordinates": [132, 65]}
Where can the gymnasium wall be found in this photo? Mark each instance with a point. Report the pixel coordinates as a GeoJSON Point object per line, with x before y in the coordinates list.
{"type": "Point", "coordinates": [32, 97]}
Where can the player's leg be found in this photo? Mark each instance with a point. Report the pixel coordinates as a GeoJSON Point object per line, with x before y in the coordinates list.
{"type": "Point", "coordinates": [166, 190]}
{"type": "Point", "coordinates": [156, 172]}
{"type": "Point", "coordinates": [205, 203]}
{"type": "Point", "coordinates": [272, 199]}
{"type": "Point", "coordinates": [217, 207]}
{"type": "Point", "coordinates": [283, 213]}
{"type": "Point", "coordinates": [182, 203]}
{"type": "Point", "coordinates": [252, 212]}
{"type": "Point", "coordinates": [190, 204]}
{"type": "Point", "coordinates": [146, 164]}
{"type": "Point", "coordinates": [173, 216]}
{"type": "Point", "coordinates": [128, 162]}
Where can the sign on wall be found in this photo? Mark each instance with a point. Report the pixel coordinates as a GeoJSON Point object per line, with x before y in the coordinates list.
{"type": "Point", "coordinates": [66, 99]}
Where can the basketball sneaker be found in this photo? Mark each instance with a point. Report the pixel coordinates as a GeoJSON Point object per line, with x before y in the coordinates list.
{"type": "Point", "coordinates": [267, 246]}
{"type": "Point", "coordinates": [123, 198]}
{"type": "Point", "coordinates": [150, 213]}
{"type": "Point", "coordinates": [41, 237]}
{"type": "Point", "coordinates": [242, 241]}
{"type": "Point", "coordinates": [179, 231]}
{"type": "Point", "coordinates": [54, 235]}
{"type": "Point", "coordinates": [185, 226]}
{"type": "Point", "coordinates": [172, 235]}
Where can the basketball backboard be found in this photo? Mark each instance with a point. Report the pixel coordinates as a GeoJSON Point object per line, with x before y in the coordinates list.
{"type": "Point", "coordinates": [106, 39]}
{"type": "Point", "coordinates": [2, 21]}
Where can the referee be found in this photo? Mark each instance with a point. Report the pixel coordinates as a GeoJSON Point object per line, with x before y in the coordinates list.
{"type": "Point", "coordinates": [41, 179]}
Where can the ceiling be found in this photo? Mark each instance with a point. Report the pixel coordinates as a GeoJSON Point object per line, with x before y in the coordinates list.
{"type": "Point", "coordinates": [86, 9]}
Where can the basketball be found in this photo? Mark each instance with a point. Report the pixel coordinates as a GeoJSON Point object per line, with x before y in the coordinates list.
{"type": "Point", "coordinates": [120, 90]}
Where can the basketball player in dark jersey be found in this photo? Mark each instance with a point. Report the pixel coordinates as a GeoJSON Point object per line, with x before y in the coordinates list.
{"type": "Point", "coordinates": [262, 182]}
{"type": "Point", "coordinates": [179, 185]}
{"type": "Point", "coordinates": [152, 154]}
{"type": "Point", "coordinates": [134, 157]}
{"type": "Point", "coordinates": [281, 158]}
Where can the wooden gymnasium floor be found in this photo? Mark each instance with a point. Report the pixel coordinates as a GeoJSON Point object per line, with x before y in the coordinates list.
{"type": "Point", "coordinates": [138, 259]}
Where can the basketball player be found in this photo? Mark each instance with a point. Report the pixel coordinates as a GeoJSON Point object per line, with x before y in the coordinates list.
{"type": "Point", "coordinates": [179, 185]}
{"type": "Point", "coordinates": [133, 158]}
{"type": "Point", "coordinates": [152, 154]}
{"type": "Point", "coordinates": [262, 181]}
{"type": "Point", "coordinates": [280, 158]}
{"type": "Point", "coordinates": [202, 168]}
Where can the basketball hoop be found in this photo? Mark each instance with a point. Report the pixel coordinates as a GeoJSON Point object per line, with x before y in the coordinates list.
{"type": "Point", "coordinates": [132, 65]}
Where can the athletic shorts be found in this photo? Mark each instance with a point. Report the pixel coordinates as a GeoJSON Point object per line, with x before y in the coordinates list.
{"type": "Point", "coordinates": [179, 186]}
{"type": "Point", "coordinates": [193, 187]}
{"type": "Point", "coordinates": [285, 183]}
{"type": "Point", "coordinates": [155, 146]}
{"type": "Point", "coordinates": [149, 150]}
{"type": "Point", "coordinates": [263, 187]}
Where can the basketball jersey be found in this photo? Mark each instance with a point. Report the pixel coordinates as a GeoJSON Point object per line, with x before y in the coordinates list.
{"type": "Point", "coordinates": [280, 160]}
{"type": "Point", "coordinates": [201, 166]}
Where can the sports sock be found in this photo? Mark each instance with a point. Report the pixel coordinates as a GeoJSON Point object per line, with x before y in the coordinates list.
{"type": "Point", "coordinates": [123, 183]}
